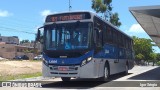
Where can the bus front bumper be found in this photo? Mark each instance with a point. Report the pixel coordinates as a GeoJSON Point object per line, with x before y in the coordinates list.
{"type": "Point", "coordinates": [87, 71]}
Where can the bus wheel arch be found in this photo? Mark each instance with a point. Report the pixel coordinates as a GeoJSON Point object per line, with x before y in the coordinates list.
{"type": "Point", "coordinates": [106, 72]}
{"type": "Point", "coordinates": [107, 64]}
{"type": "Point", "coordinates": [127, 63]}
{"type": "Point", "coordinates": [126, 68]}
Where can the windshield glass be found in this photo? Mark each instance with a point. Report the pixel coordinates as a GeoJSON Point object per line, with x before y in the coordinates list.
{"type": "Point", "coordinates": [67, 36]}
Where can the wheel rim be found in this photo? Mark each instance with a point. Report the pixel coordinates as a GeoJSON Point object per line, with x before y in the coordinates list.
{"type": "Point", "coordinates": [126, 69]}
{"type": "Point", "coordinates": [106, 72]}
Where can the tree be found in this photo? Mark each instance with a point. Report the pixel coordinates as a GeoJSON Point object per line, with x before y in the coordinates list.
{"type": "Point", "coordinates": [142, 46]}
{"type": "Point", "coordinates": [24, 41]}
{"type": "Point", "coordinates": [104, 7]}
{"type": "Point", "coordinates": [158, 57]}
{"type": "Point", "coordinates": [152, 57]}
{"type": "Point", "coordinates": [114, 19]}
{"type": "Point", "coordinates": [98, 6]}
{"type": "Point", "coordinates": [139, 57]}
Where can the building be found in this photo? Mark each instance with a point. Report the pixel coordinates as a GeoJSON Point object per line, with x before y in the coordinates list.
{"type": "Point", "coordinates": [9, 51]}
{"type": "Point", "coordinates": [32, 44]}
{"type": "Point", "coordinates": [9, 39]}
{"type": "Point", "coordinates": [10, 47]}
{"type": "Point", "coordinates": [149, 19]}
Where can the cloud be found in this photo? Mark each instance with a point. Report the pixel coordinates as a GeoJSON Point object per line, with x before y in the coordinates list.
{"type": "Point", "coordinates": [44, 13]}
{"type": "Point", "coordinates": [4, 13]}
{"type": "Point", "coordinates": [136, 28]}
{"type": "Point", "coordinates": [20, 39]}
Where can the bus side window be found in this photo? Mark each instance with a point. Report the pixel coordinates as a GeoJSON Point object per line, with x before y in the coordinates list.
{"type": "Point", "coordinates": [99, 37]}
{"type": "Point", "coordinates": [122, 40]}
{"type": "Point", "coordinates": [104, 35]}
{"type": "Point", "coordinates": [127, 43]}
{"type": "Point", "coordinates": [98, 33]}
{"type": "Point", "coordinates": [115, 37]}
{"type": "Point", "coordinates": [109, 35]}
{"type": "Point", "coordinates": [119, 39]}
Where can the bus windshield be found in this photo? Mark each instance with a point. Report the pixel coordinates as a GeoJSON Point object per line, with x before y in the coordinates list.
{"type": "Point", "coordinates": [67, 36]}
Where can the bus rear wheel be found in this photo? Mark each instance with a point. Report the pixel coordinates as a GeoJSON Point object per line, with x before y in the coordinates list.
{"type": "Point", "coordinates": [65, 78]}
{"type": "Point", "coordinates": [126, 70]}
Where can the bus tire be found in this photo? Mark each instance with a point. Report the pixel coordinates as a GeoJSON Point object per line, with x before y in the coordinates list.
{"type": "Point", "coordinates": [65, 78]}
{"type": "Point", "coordinates": [106, 73]}
{"type": "Point", "coordinates": [126, 70]}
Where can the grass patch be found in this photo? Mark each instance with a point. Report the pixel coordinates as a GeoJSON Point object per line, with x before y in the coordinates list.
{"type": "Point", "coordinates": [35, 60]}
{"type": "Point", "coordinates": [20, 76]}
{"type": "Point", "coordinates": [158, 63]}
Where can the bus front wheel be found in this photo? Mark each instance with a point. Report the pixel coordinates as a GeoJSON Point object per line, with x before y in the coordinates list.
{"type": "Point", "coordinates": [65, 78]}
{"type": "Point", "coordinates": [106, 73]}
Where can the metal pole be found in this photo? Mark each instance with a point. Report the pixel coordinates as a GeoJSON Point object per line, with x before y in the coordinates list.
{"type": "Point", "coordinates": [70, 5]}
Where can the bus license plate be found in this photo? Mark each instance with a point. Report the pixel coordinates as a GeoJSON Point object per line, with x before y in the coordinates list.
{"type": "Point", "coordinates": [60, 68]}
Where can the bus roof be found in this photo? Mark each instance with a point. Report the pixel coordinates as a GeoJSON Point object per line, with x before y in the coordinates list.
{"type": "Point", "coordinates": [92, 15]}
{"type": "Point", "coordinates": [111, 25]}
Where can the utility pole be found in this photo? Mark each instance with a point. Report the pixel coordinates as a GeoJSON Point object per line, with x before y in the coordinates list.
{"type": "Point", "coordinates": [34, 46]}
{"type": "Point", "coordinates": [70, 5]}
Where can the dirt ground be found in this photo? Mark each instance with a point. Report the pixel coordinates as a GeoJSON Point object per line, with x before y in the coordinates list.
{"type": "Point", "coordinates": [19, 67]}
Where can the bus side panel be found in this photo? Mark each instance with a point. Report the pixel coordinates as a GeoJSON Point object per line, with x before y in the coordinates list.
{"type": "Point", "coordinates": [111, 55]}
{"type": "Point", "coordinates": [101, 67]}
{"type": "Point", "coordinates": [114, 67]}
{"type": "Point", "coordinates": [130, 59]}
{"type": "Point", "coordinates": [122, 59]}
{"type": "Point", "coordinates": [45, 71]}
{"type": "Point", "coordinates": [90, 70]}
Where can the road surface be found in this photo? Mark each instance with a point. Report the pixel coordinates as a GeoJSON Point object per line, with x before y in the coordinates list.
{"type": "Point", "coordinates": [140, 77]}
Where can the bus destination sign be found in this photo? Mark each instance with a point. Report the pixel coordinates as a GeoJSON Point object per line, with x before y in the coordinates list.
{"type": "Point", "coordinates": [67, 17]}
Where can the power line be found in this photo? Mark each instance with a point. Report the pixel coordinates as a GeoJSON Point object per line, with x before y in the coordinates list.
{"type": "Point", "coordinates": [23, 23]}
{"type": "Point", "coordinates": [18, 21]}
{"type": "Point", "coordinates": [15, 30]}
{"type": "Point", "coordinates": [19, 24]}
{"type": "Point", "coordinates": [24, 20]}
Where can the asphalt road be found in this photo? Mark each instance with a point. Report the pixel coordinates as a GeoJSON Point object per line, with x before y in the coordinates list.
{"type": "Point", "coordinates": [140, 77]}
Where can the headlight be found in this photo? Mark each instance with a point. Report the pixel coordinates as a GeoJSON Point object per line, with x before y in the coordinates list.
{"type": "Point", "coordinates": [89, 59]}
{"type": "Point", "coordinates": [84, 62]}
{"type": "Point", "coordinates": [45, 62]}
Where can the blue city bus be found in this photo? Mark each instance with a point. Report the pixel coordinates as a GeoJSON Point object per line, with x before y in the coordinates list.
{"type": "Point", "coordinates": [82, 45]}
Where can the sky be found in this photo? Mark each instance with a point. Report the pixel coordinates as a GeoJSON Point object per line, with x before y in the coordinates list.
{"type": "Point", "coordinates": [17, 17]}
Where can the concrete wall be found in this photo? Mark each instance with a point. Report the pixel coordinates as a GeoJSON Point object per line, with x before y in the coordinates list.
{"type": "Point", "coordinates": [38, 45]}
{"type": "Point", "coordinates": [9, 51]}
{"type": "Point", "coordinates": [11, 40]}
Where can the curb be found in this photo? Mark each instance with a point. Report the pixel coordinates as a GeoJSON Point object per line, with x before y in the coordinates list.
{"type": "Point", "coordinates": [40, 78]}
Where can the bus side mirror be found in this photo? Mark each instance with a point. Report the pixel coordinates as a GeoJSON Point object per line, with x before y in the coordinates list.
{"type": "Point", "coordinates": [38, 35]}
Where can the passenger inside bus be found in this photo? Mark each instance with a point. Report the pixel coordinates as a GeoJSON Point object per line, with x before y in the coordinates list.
{"type": "Point", "coordinates": [76, 39]}
{"type": "Point", "coordinates": [68, 44]}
